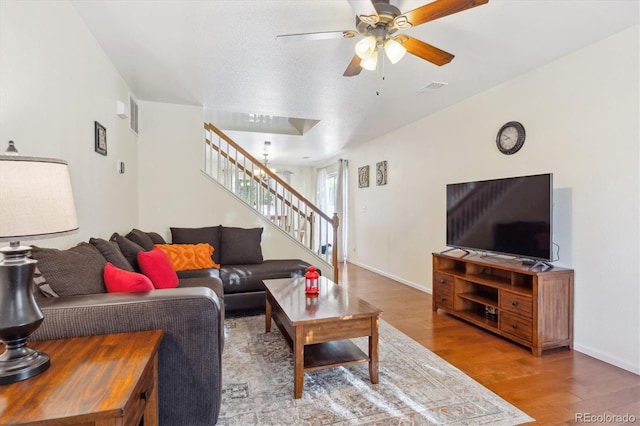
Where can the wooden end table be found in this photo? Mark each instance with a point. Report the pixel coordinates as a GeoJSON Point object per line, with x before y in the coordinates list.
{"type": "Point", "coordinates": [317, 328]}
{"type": "Point", "coordinates": [96, 380]}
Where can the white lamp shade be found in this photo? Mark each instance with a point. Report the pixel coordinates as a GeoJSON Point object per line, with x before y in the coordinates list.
{"type": "Point", "coordinates": [365, 47]}
{"type": "Point", "coordinates": [36, 199]}
{"type": "Point", "coordinates": [394, 50]}
{"type": "Point", "coordinates": [370, 62]}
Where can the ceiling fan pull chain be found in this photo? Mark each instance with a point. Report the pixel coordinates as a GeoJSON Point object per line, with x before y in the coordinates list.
{"type": "Point", "coordinates": [381, 77]}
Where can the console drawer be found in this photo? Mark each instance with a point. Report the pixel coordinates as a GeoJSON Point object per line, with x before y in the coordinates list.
{"type": "Point", "coordinates": [443, 291]}
{"type": "Point", "coordinates": [516, 303]}
{"type": "Point", "coordinates": [515, 325]}
{"type": "Point", "coordinates": [141, 395]}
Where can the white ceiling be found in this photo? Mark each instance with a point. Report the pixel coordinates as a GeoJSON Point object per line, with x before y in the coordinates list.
{"type": "Point", "coordinates": [224, 56]}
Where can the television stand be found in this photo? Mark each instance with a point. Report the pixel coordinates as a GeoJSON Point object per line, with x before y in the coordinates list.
{"type": "Point", "coordinates": [532, 308]}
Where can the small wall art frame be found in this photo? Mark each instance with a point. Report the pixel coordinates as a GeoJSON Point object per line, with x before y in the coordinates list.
{"type": "Point", "coordinates": [100, 138]}
{"type": "Point", "coordinates": [381, 173]}
{"type": "Point", "coordinates": [363, 177]}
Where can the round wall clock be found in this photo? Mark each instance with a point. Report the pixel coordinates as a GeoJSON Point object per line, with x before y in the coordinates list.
{"type": "Point", "coordinates": [510, 138]}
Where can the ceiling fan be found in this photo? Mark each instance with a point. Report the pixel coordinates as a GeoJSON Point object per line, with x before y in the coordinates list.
{"type": "Point", "coordinates": [377, 22]}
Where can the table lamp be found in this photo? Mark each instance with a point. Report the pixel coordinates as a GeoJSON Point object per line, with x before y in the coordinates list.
{"type": "Point", "coordinates": [36, 202]}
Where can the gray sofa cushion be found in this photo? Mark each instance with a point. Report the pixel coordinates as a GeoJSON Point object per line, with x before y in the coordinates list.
{"type": "Point", "coordinates": [71, 272]}
{"type": "Point", "coordinates": [42, 289]}
{"type": "Point", "coordinates": [208, 234]}
{"type": "Point", "coordinates": [129, 249]}
{"type": "Point", "coordinates": [111, 252]}
{"type": "Point", "coordinates": [248, 278]}
{"type": "Point", "coordinates": [141, 239]}
{"type": "Point", "coordinates": [240, 246]}
{"type": "Point", "coordinates": [156, 238]}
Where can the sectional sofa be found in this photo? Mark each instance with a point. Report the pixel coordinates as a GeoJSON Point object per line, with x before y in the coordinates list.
{"type": "Point", "coordinates": [71, 290]}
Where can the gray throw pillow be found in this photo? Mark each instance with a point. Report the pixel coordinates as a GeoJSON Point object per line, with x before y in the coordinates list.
{"type": "Point", "coordinates": [141, 239]}
{"type": "Point", "coordinates": [209, 235]}
{"type": "Point", "coordinates": [156, 238]}
{"type": "Point", "coordinates": [240, 246]}
{"type": "Point", "coordinates": [40, 282]}
{"type": "Point", "coordinates": [111, 251]}
{"type": "Point", "coordinates": [71, 272]}
{"type": "Point", "coordinates": [129, 249]}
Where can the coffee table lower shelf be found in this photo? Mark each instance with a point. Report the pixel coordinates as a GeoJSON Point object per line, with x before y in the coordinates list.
{"type": "Point", "coordinates": [319, 356]}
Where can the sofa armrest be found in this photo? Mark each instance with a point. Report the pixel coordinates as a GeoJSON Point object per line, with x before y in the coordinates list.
{"type": "Point", "coordinates": [190, 355]}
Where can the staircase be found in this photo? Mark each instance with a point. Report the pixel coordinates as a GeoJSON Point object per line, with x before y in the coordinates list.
{"type": "Point", "coordinates": [274, 199]}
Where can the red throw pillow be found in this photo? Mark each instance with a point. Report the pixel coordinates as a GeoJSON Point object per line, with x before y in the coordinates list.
{"type": "Point", "coordinates": [118, 280]}
{"type": "Point", "coordinates": [156, 265]}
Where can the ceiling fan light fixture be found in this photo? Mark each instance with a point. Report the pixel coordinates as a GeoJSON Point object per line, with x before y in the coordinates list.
{"type": "Point", "coordinates": [370, 62]}
{"type": "Point", "coordinates": [365, 47]}
{"type": "Point", "coordinates": [394, 50]}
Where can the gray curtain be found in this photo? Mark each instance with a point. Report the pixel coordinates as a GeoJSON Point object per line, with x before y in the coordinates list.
{"type": "Point", "coordinates": [341, 207]}
{"type": "Point", "coordinates": [321, 202]}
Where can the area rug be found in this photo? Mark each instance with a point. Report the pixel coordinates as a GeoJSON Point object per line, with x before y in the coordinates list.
{"type": "Point", "coordinates": [416, 387]}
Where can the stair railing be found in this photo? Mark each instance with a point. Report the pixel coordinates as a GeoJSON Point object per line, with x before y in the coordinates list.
{"type": "Point", "coordinates": [267, 193]}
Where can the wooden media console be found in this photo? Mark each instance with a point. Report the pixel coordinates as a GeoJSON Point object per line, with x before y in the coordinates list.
{"type": "Point", "coordinates": [530, 306]}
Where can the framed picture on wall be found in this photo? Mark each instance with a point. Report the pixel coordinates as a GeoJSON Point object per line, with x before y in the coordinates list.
{"type": "Point", "coordinates": [101, 138]}
{"type": "Point", "coordinates": [363, 177]}
{"type": "Point", "coordinates": [381, 173]}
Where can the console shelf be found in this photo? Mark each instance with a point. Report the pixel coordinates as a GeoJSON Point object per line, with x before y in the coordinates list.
{"type": "Point", "coordinates": [530, 306]}
{"type": "Point", "coordinates": [485, 301]}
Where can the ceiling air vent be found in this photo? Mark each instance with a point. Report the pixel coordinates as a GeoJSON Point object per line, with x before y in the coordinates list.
{"type": "Point", "coordinates": [133, 115]}
{"type": "Point", "coordinates": [434, 85]}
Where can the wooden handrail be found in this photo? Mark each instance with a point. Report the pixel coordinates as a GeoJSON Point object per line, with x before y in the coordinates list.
{"type": "Point", "coordinates": [255, 178]}
{"type": "Point", "coordinates": [322, 219]}
{"type": "Point", "coordinates": [268, 172]}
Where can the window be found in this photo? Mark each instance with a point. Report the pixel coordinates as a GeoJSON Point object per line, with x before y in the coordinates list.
{"type": "Point", "coordinates": [330, 191]}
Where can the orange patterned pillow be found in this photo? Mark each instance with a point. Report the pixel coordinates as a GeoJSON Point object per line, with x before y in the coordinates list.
{"type": "Point", "coordinates": [189, 256]}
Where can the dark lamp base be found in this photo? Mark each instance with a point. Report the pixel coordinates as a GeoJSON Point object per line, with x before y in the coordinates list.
{"type": "Point", "coordinates": [22, 368]}
{"type": "Point", "coordinates": [20, 316]}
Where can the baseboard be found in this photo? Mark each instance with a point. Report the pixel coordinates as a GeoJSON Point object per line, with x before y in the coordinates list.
{"type": "Point", "coordinates": [393, 277]}
{"type": "Point", "coordinates": [607, 358]}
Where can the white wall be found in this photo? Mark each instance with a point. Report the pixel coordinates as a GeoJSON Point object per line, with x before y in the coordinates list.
{"type": "Point", "coordinates": [174, 192]}
{"type": "Point", "coordinates": [55, 81]}
{"type": "Point", "coordinates": [581, 117]}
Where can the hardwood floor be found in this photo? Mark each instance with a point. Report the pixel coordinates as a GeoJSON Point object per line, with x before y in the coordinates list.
{"type": "Point", "coordinates": [551, 388]}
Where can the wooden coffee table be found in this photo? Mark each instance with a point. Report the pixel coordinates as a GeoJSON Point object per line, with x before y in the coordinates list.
{"type": "Point", "coordinates": [318, 328]}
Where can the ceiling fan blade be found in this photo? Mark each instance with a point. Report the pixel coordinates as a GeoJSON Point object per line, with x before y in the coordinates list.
{"type": "Point", "coordinates": [354, 67]}
{"type": "Point", "coordinates": [434, 10]}
{"type": "Point", "coordinates": [316, 36]}
{"type": "Point", "coordinates": [365, 11]}
{"type": "Point", "coordinates": [425, 51]}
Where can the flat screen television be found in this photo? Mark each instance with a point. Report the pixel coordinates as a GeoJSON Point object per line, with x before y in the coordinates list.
{"type": "Point", "coordinates": [511, 216]}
